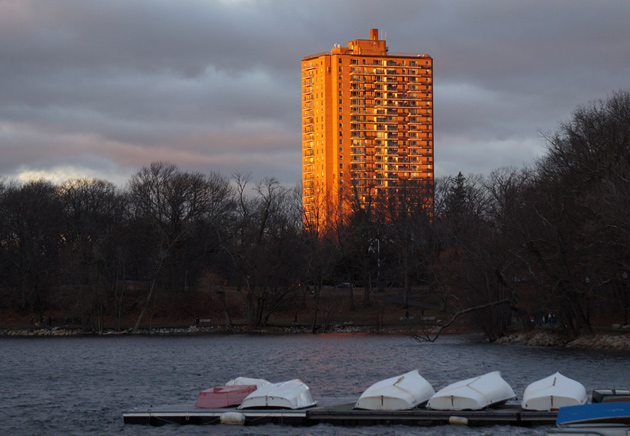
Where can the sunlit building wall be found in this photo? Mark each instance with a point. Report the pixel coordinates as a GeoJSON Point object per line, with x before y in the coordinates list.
{"type": "Point", "coordinates": [367, 128]}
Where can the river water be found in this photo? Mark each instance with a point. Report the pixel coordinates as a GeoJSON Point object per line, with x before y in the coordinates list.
{"type": "Point", "coordinates": [82, 385]}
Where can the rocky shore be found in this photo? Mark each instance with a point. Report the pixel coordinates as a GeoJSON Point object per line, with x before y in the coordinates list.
{"type": "Point", "coordinates": [617, 340]}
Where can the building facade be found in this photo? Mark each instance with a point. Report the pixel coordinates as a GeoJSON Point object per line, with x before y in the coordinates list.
{"type": "Point", "coordinates": [367, 129]}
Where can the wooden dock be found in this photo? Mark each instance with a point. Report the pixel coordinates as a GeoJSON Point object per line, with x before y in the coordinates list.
{"type": "Point", "coordinates": [185, 414]}
{"type": "Point", "coordinates": [345, 415]}
{"type": "Point", "coordinates": [334, 412]}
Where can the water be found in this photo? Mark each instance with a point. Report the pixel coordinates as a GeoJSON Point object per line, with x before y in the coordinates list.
{"type": "Point", "coordinates": [81, 386]}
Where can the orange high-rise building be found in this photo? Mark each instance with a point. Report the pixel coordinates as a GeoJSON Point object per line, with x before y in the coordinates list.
{"type": "Point", "coordinates": [367, 128]}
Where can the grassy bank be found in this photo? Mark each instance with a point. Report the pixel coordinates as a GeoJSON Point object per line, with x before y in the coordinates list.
{"type": "Point", "coordinates": [337, 307]}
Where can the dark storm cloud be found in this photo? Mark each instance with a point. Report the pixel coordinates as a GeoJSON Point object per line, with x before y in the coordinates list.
{"type": "Point", "coordinates": [102, 88]}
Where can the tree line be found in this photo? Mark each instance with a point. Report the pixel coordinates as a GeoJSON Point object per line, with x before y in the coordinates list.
{"type": "Point", "coordinates": [551, 238]}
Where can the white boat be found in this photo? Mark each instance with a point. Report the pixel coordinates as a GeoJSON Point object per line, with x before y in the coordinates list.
{"type": "Point", "coordinates": [397, 393]}
{"type": "Point", "coordinates": [245, 381]}
{"type": "Point", "coordinates": [293, 394]}
{"type": "Point", "coordinates": [553, 392]}
{"type": "Point", "coordinates": [473, 394]}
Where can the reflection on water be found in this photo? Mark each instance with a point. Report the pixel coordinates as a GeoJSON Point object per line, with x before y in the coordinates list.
{"type": "Point", "coordinates": [81, 386]}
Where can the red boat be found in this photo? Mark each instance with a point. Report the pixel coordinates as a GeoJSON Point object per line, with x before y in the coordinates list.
{"type": "Point", "coordinates": [223, 396]}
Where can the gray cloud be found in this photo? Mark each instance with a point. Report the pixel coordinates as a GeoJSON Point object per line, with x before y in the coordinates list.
{"type": "Point", "coordinates": [103, 88]}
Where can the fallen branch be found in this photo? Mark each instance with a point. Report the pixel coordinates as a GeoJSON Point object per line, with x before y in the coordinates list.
{"type": "Point", "coordinates": [426, 336]}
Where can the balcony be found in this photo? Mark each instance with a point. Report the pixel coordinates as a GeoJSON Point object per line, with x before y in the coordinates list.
{"type": "Point", "coordinates": [385, 79]}
{"type": "Point", "coordinates": [386, 120]}
{"type": "Point", "coordinates": [312, 65]}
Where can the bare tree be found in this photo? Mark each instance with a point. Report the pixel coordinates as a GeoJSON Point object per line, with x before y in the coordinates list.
{"type": "Point", "coordinates": [93, 213]}
{"type": "Point", "coordinates": [169, 204]}
{"type": "Point", "coordinates": [263, 244]}
{"type": "Point", "coordinates": [472, 265]}
{"type": "Point", "coordinates": [581, 213]}
{"type": "Point", "coordinates": [33, 232]}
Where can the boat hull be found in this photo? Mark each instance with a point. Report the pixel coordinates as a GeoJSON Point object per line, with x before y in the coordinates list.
{"type": "Point", "coordinates": [553, 392]}
{"type": "Point", "coordinates": [596, 413]}
{"type": "Point", "coordinates": [223, 396]}
{"type": "Point", "coordinates": [292, 394]}
{"type": "Point", "coordinates": [473, 394]}
{"type": "Point", "coordinates": [403, 392]}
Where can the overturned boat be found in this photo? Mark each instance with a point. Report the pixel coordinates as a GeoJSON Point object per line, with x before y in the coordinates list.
{"type": "Point", "coordinates": [553, 392]}
{"type": "Point", "coordinates": [403, 392]}
{"type": "Point", "coordinates": [602, 419]}
{"type": "Point", "coordinates": [232, 394]}
{"type": "Point", "coordinates": [292, 394]}
{"type": "Point", "coordinates": [473, 394]}
{"type": "Point", "coordinates": [220, 397]}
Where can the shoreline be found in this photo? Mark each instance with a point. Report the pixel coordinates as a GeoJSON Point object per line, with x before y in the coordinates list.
{"type": "Point", "coordinates": [202, 330]}
{"type": "Point", "coordinates": [614, 340]}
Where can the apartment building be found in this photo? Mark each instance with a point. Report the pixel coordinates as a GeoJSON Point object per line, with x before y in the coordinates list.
{"type": "Point", "coordinates": [367, 129]}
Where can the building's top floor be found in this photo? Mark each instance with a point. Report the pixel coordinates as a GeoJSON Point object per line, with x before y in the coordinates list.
{"type": "Point", "coordinates": [365, 47]}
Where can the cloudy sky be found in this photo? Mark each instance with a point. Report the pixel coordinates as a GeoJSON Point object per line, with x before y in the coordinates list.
{"type": "Point", "coordinates": [101, 88]}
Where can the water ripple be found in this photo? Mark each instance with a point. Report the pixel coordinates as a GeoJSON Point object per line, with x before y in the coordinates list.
{"type": "Point", "coordinates": [81, 386]}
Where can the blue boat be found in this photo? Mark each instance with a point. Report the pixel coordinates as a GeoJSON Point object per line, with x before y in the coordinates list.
{"type": "Point", "coordinates": [610, 413]}
{"type": "Point", "coordinates": [596, 419]}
